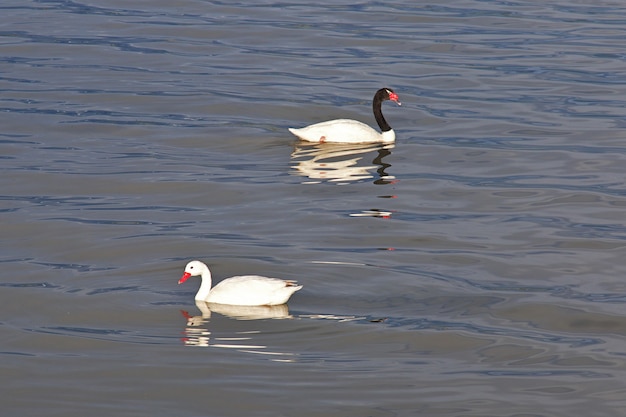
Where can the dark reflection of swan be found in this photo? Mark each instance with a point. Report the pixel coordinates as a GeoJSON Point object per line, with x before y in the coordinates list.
{"type": "Point", "coordinates": [341, 163]}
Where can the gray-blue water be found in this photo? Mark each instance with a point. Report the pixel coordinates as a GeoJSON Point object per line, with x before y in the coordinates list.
{"type": "Point", "coordinates": [476, 268]}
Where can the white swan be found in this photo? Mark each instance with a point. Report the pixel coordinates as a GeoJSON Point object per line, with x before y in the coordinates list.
{"type": "Point", "coordinates": [245, 290]}
{"type": "Point", "coordinates": [352, 131]}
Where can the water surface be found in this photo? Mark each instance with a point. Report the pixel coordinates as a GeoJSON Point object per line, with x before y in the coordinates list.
{"type": "Point", "coordinates": [474, 268]}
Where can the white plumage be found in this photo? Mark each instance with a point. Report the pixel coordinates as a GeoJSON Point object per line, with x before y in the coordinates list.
{"type": "Point", "coordinates": [352, 131]}
{"type": "Point", "coordinates": [244, 290]}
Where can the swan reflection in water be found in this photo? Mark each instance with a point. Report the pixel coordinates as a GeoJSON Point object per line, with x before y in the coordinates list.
{"type": "Point", "coordinates": [241, 312]}
{"type": "Point", "coordinates": [197, 330]}
{"type": "Point", "coordinates": [341, 163]}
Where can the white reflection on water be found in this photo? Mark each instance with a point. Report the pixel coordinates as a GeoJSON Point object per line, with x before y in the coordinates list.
{"type": "Point", "coordinates": [197, 331]}
{"type": "Point", "coordinates": [243, 312]}
{"type": "Point", "coordinates": [372, 213]}
{"type": "Point", "coordinates": [198, 328]}
{"type": "Point", "coordinates": [340, 163]}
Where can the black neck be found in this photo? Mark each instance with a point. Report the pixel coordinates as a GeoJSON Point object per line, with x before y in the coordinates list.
{"type": "Point", "coordinates": [378, 113]}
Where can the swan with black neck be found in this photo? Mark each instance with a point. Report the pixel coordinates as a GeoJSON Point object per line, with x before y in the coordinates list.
{"type": "Point", "coordinates": [353, 131]}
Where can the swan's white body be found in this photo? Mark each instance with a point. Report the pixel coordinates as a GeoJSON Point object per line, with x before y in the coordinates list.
{"type": "Point", "coordinates": [352, 131]}
{"type": "Point", "coordinates": [245, 290]}
{"type": "Point", "coordinates": [343, 131]}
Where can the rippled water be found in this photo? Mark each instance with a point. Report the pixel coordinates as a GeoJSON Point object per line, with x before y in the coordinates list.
{"type": "Point", "coordinates": [474, 268]}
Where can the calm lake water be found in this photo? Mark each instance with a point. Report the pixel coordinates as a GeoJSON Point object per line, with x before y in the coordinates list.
{"type": "Point", "coordinates": [475, 268]}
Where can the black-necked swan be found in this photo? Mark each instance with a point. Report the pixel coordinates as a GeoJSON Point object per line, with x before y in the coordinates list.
{"type": "Point", "coordinates": [352, 131]}
{"type": "Point", "coordinates": [245, 290]}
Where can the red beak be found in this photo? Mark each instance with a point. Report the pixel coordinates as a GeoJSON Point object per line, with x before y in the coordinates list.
{"type": "Point", "coordinates": [184, 278]}
{"type": "Point", "coordinates": [394, 97]}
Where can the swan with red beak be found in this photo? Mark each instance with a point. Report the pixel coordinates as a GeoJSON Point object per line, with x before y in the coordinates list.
{"type": "Point", "coordinates": [244, 290]}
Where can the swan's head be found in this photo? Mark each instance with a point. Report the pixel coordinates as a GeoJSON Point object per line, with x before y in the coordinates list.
{"type": "Point", "coordinates": [389, 94]}
{"type": "Point", "coordinates": [193, 269]}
